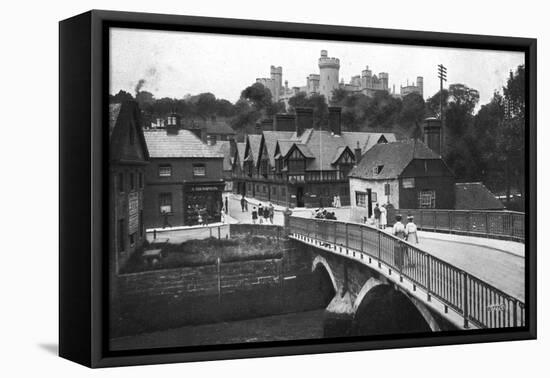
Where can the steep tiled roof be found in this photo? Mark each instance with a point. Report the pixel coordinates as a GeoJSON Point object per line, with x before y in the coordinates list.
{"type": "Point", "coordinates": [255, 141]}
{"type": "Point", "coordinates": [394, 157]}
{"type": "Point", "coordinates": [270, 140]}
{"type": "Point", "coordinates": [224, 147]}
{"type": "Point", "coordinates": [241, 150]}
{"type": "Point", "coordinates": [184, 144]}
{"type": "Point", "coordinates": [475, 196]}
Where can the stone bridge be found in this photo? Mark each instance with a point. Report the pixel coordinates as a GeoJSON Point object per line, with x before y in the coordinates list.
{"type": "Point", "coordinates": [385, 285]}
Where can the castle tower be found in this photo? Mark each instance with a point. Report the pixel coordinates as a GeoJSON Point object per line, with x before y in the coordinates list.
{"type": "Point", "coordinates": [277, 77]}
{"type": "Point", "coordinates": [420, 85]}
{"type": "Point", "coordinates": [384, 79]}
{"type": "Point", "coordinates": [329, 69]}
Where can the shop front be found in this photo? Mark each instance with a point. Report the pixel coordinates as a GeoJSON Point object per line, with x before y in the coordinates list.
{"type": "Point", "coordinates": [202, 202]}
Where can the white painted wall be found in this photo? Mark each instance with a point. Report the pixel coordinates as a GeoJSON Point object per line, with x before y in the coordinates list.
{"type": "Point", "coordinates": [377, 186]}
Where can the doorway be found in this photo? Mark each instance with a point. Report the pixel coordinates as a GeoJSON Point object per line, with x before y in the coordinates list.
{"type": "Point", "coordinates": [300, 196]}
{"type": "Point", "coordinates": [369, 202]}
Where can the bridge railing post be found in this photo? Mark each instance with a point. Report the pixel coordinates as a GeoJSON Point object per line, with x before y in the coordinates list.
{"type": "Point", "coordinates": [379, 233]}
{"type": "Point", "coordinates": [428, 277]}
{"type": "Point", "coordinates": [465, 298]}
{"type": "Point", "coordinates": [515, 312]}
{"type": "Point", "coordinates": [347, 238]}
{"type": "Point", "coordinates": [361, 230]}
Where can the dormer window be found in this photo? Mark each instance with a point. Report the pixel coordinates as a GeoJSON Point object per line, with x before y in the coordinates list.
{"type": "Point", "coordinates": [377, 169]}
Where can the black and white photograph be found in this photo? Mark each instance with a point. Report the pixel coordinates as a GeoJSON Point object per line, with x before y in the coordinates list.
{"type": "Point", "coordinates": [266, 190]}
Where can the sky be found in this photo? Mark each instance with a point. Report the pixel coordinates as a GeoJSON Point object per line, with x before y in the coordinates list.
{"type": "Point", "coordinates": [173, 64]}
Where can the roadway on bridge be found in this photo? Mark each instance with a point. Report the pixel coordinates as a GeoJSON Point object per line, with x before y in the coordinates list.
{"type": "Point", "coordinates": [498, 262]}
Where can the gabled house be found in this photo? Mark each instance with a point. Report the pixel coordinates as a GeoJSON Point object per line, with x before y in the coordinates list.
{"type": "Point", "coordinates": [406, 175]}
{"type": "Point", "coordinates": [128, 158]}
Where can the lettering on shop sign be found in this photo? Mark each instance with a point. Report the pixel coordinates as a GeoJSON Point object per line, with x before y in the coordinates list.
{"type": "Point", "coordinates": [133, 212]}
{"type": "Point", "coordinates": [204, 189]}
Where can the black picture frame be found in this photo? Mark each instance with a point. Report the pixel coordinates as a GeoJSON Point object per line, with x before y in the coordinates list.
{"type": "Point", "coordinates": [83, 278]}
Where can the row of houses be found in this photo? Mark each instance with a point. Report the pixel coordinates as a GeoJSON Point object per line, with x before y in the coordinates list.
{"type": "Point", "coordinates": [171, 177]}
{"type": "Point", "coordinates": [159, 177]}
{"type": "Point", "coordinates": [291, 163]}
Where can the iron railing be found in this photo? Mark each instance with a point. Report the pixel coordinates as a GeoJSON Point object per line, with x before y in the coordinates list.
{"type": "Point", "coordinates": [478, 302]}
{"type": "Point", "coordinates": [493, 224]}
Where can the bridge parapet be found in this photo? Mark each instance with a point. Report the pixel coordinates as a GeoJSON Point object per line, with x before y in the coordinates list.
{"type": "Point", "coordinates": [503, 224]}
{"type": "Point", "coordinates": [476, 302]}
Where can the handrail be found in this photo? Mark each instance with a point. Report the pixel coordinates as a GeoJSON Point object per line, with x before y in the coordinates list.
{"type": "Point", "coordinates": [501, 224]}
{"type": "Point", "coordinates": [478, 302]}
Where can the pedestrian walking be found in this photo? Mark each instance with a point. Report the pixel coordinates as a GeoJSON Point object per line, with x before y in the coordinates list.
{"type": "Point", "coordinates": [266, 214]}
{"type": "Point", "coordinates": [261, 213]}
{"type": "Point", "coordinates": [227, 205]}
{"type": "Point", "coordinates": [254, 215]}
{"type": "Point", "coordinates": [399, 249]}
{"type": "Point", "coordinates": [410, 230]}
{"type": "Point", "coordinates": [243, 204]}
{"type": "Point", "coordinates": [271, 213]}
{"type": "Point", "coordinates": [383, 217]}
{"type": "Point", "coordinates": [377, 214]}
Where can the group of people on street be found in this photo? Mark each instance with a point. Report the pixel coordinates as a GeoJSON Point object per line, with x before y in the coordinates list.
{"type": "Point", "coordinates": [263, 213]}
{"type": "Point", "coordinates": [324, 214]}
{"type": "Point", "coordinates": [407, 232]}
{"type": "Point", "coordinates": [380, 215]}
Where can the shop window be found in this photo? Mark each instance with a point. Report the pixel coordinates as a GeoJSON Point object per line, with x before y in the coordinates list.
{"type": "Point", "coordinates": [199, 170]}
{"type": "Point", "coordinates": [165, 202]}
{"type": "Point", "coordinates": [361, 199]}
{"type": "Point", "coordinates": [408, 183]}
{"type": "Point", "coordinates": [426, 199]}
{"type": "Point", "coordinates": [165, 170]}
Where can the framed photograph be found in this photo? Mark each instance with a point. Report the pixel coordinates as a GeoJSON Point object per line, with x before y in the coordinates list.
{"type": "Point", "coordinates": [236, 188]}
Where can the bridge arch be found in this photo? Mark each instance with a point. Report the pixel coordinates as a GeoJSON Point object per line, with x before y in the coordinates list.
{"type": "Point", "coordinates": [320, 261]}
{"type": "Point", "coordinates": [382, 309]}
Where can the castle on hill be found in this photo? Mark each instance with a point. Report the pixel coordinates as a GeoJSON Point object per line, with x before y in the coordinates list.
{"type": "Point", "coordinates": [327, 80]}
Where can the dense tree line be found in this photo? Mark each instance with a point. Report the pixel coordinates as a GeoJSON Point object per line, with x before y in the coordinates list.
{"type": "Point", "coordinates": [487, 145]}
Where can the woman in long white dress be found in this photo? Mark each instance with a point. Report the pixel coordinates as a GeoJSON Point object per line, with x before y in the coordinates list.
{"type": "Point", "coordinates": [383, 217]}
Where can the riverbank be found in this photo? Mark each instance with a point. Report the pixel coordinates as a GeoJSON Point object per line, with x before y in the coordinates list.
{"type": "Point", "coordinates": [293, 326]}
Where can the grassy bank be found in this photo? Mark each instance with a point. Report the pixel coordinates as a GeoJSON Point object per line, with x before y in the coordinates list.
{"type": "Point", "coordinates": [207, 251]}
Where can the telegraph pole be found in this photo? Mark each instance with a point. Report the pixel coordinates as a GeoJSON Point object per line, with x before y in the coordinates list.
{"type": "Point", "coordinates": [442, 75]}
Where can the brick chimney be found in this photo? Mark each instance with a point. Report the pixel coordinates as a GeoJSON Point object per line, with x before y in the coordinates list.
{"type": "Point", "coordinates": [431, 134]}
{"type": "Point", "coordinates": [172, 124]}
{"type": "Point", "coordinates": [304, 119]}
{"type": "Point", "coordinates": [284, 122]}
{"type": "Point", "coordinates": [335, 119]}
{"type": "Point", "coordinates": [267, 124]}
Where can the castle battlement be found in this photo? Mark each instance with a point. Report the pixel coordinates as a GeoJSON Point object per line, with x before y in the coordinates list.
{"type": "Point", "coordinates": [329, 63]}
